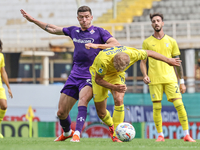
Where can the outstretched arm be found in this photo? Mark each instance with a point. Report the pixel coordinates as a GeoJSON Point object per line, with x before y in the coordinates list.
{"type": "Point", "coordinates": [45, 26]}
{"type": "Point", "coordinates": [5, 79]}
{"type": "Point", "coordinates": [111, 42]}
{"type": "Point", "coordinates": [170, 61]}
{"type": "Point", "coordinates": [121, 88]}
{"type": "Point", "coordinates": [179, 70]}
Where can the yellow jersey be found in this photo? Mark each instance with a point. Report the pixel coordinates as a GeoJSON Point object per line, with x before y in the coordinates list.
{"type": "Point", "coordinates": [103, 63]}
{"type": "Point", "coordinates": [2, 64]}
{"type": "Point", "coordinates": [160, 72]}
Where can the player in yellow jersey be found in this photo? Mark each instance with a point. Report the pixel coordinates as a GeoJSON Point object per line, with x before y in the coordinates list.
{"type": "Point", "coordinates": [108, 71]}
{"type": "Point", "coordinates": [3, 74]}
{"type": "Point", "coordinates": [162, 78]}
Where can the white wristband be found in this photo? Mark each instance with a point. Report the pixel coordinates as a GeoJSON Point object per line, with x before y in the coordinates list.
{"type": "Point", "coordinates": [182, 81]}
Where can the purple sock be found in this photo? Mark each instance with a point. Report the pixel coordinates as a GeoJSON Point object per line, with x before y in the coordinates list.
{"type": "Point", "coordinates": [66, 124]}
{"type": "Point", "coordinates": [80, 120]}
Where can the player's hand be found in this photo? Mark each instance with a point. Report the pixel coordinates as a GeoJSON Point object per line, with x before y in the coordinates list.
{"type": "Point", "coordinates": [10, 93]}
{"type": "Point", "coordinates": [174, 61]}
{"type": "Point", "coordinates": [121, 88]}
{"type": "Point", "coordinates": [27, 16]}
{"type": "Point", "coordinates": [146, 79]}
{"type": "Point", "coordinates": [182, 88]}
{"type": "Point", "coordinates": [91, 45]}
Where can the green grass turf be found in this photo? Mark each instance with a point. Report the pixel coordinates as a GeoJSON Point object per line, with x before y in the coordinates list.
{"type": "Point", "coordinates": [94, 144]}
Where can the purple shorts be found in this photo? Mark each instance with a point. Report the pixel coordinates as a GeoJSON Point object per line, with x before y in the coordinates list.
{"type": "Point", "coordinates": [74, 85]}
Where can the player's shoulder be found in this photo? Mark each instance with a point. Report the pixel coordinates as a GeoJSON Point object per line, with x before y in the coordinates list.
{"type": "Point", "coordinates": [100, 29]}
{"type": "Point", "coordinates": [167, 37]}
{"type": "Point", "coordinates": [1, 54]}
{"type": "Point", "coordinates": [72, 28]}
{"type": "Point", "coordinates": [101, 57]}
{"type": "Point", "coordinates": [148, 41]}
{"type": "Point", "coordinates": [150, 38]}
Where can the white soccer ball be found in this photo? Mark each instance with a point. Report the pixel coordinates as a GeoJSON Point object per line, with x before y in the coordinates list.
{"type": "Point", "coordinates": [125, 132]}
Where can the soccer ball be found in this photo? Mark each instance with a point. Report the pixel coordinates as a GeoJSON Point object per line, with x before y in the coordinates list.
{"type": "Point", "coordinates": [125, 132]}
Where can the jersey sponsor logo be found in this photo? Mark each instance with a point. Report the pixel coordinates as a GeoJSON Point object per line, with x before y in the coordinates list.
{"type": "Point", "coordinates": [86, 40]}
{"type": "Point", "coordinates": [108, 49]}
{"type": "Point", "coordinates": [113, 51]}
{"type": "Point", "coordinates": [92, 31]}
{"type": "Point", "coordinates": [77, 31]}
{"type": "Point", "coordinates": [100, 70]}
{"type": "Point", "coordinates": [167, 44]}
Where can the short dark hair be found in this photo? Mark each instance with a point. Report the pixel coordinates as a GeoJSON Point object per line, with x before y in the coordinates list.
{"type": "Point", "coordinates": [1, 46]}
{"type": "Point", "coordinates": [156, 14]}
{"type": "Point", "coordinates": [84, 9]}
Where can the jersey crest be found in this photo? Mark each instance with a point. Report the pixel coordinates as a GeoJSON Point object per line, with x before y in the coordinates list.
{"type": "Point", "coordinates": [92, 31]}
{"type": "Point", "coordinates": [100, 70]}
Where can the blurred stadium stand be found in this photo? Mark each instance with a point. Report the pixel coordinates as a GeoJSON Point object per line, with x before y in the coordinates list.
{"type": "Point", "coordinates": [130, 27]}
{"type": "Point", "coordinates": [20, 35]}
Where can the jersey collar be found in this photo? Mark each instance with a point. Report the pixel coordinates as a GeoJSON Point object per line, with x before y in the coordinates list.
{"type": "Point", "coordinates": [88, 30]}
{"type": "Point", "coordinates": [158, 39]}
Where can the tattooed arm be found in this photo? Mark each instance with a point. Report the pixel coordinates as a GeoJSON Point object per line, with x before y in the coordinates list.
{"type": "Point", "coordinates": [45, 26]}
{"type": "Point", "coordinates": [179, 70]}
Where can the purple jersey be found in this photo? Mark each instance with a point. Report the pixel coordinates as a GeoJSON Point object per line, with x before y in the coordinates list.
{"type": "Point", "coordinates": [83, 58]}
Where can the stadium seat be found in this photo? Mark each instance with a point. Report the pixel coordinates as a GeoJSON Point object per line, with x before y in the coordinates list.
{"type": "Point", "coordinates": [174, 10]}
{"type": "Point", "coordinates": [59, 12]}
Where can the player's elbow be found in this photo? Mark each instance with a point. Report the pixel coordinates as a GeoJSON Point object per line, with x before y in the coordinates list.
{"type": "Point", "coordinates": [97, 80]}
{"type": "Point", "coordinates": [117, 44]}
{"type": "Point", "coordinates": [149, 53]}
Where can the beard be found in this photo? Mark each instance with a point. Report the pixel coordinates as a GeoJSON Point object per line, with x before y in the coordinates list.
{"type": "Point", "coordinates": [157, 30]}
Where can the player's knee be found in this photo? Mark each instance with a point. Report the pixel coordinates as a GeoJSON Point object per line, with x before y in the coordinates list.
{"type": "Point", "coordinates": [118, 101]}
{"type": "Point", "coordinates": [101, 114]}
{"type": "Point", "coordinates": [157, 107]}
{"type": "Point", "coordinates": [178, 104]}
{"type": "Point", "coordinates": [118, 98]}
{"type": "Point", "coordinates": [4, 106]}
{"type": "Point", "coordinates": [61, 114]}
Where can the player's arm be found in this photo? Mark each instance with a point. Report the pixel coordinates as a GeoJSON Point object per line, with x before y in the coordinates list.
{"type": "Point", "coordinates": [45, 26]}
{"type": "Point", "coordinates": [179, 70]}
{"type": "Point", "coordinates": [5, 79]}
{"type": "Point", "coordinates": [111, 42]}
{"type": "Point", "coordinates": [100, 81]}
{"type": "Point", "coordinates": [143, 69]}
{"type": "Point", "coordinates": [170, 61]}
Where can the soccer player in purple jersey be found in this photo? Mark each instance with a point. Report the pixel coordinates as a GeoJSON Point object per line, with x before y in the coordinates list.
{"type": "Point", "coordinates": [88, 41]}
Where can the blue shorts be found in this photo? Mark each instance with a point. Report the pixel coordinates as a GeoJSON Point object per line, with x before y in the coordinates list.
{"type": "Point", "coordinates": [74, 85]}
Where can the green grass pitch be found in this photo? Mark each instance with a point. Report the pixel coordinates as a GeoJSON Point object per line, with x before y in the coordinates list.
{"type": "Point", "coordinates": [94, 144]}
